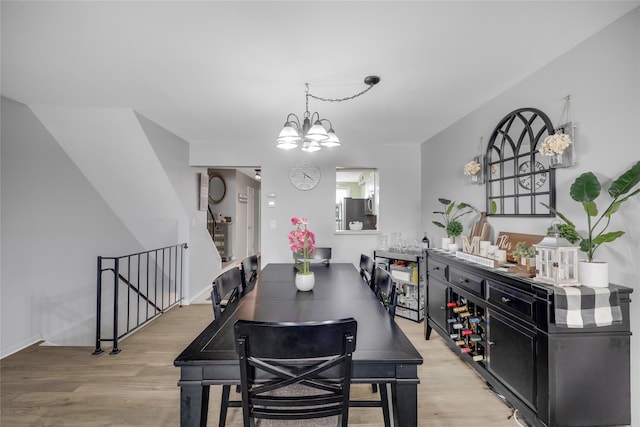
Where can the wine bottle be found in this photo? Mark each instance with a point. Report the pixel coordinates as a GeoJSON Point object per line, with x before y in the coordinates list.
{"type": "Point", "coordinates": [460, 309]}
{"type": "Point", "coordinates": [425, 241]}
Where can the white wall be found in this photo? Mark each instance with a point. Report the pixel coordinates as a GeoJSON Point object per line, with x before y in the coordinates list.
{"type": "Point", "coordinates": [602, 75]}
{"type": "Point", "coordinates": [399, 168]}
{"type": "Point", "coordinates": [63, 205]}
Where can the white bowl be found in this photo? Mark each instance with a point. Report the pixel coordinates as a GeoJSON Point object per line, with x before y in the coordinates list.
{"type": "Point", "coordinates": [355, 225]}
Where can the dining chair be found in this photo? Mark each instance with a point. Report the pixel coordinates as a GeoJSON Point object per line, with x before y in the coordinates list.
{"type": "Point", "coordinates": [321, 254]}
{"type": "Point", "coordinates": [367, 269]}
{"type": "Point", "coordinates": [385, 289]}
{"type": "Point", "coordinates": [226, 287]}
{"type": "Point", "coordinates": [250, 269]}
{"type": "Point", "coordinates": [295, 371]}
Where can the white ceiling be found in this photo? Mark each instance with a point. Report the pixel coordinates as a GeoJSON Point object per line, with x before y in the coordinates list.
{"type": "Point", "coordinates": [229, 72]}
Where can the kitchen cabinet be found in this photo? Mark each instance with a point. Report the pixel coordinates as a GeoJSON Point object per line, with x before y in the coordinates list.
{"type": "Point", "coordinates": [408, 270]}
{"type": "Point", "coordinates": [503, 326]}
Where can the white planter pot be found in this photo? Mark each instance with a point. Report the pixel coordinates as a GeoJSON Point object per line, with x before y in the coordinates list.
{"type": "Point", "coordinates": [453, 247]}
{"type": "Point", "coordinates": [445, 243]}
{"type": "Point", "coordinates": [305, 282]}
{"type": "Point", "coordinates": [593, 274]}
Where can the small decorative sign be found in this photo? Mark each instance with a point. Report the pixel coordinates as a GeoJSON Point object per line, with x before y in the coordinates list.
{"type": "Point", "coordinates": [507, 241]}
{"type": "Point", "coordinates": [476, 259]}
{"type": "Point", "coordinates": [242, 198]}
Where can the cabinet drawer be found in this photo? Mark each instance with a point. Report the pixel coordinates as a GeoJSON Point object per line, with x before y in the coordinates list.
{"type": "Point", "coordinates": [511, 300]}
{"type": "Point", "coordinates": [467, 281]}
{"type": "Point", "coordinates": [437, 269]}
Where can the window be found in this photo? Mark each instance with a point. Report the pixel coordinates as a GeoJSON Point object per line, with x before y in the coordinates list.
{"type": "Point", "coordinates": [356, 199]}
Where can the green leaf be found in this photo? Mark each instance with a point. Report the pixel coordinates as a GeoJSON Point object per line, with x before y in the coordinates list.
{"type": "Point", "coordinates": [439, 224]}
{"type": "Point", "coordinates": [585, 245]}
{"type": "Point", "coordinates": [586, 188]}
{"type": "Point", "coordinates": [444, 201]}
{"type": "Point", "coordinates": [450, 207]}
{"type": "Point", "coordinates": [561, 216]}
{"type": "Point", "coordinates": [607, 237]}
{"type": "Point", "coordinates": [626, 181]}
{"type": "Point", "coordinates": [590, 208]}
{"type": "Point", "coordinates": [612, 209]}
{"type": "Point", "coordinates": [494, 206]}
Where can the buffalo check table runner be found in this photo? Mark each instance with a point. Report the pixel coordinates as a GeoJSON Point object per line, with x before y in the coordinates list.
{"type": "Point", "coordinates": [583, 307]}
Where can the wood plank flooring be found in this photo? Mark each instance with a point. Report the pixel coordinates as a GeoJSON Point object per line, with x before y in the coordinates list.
{"type": "Point", "coordinates": [67, 386]}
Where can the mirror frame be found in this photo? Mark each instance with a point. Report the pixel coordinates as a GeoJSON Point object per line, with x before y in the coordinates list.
{"type": "Point", "coordinates": [218, 178]}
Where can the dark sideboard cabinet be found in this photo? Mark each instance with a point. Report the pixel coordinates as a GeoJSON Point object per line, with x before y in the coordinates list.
{"type": "Point", "coordinates": [504, 326]}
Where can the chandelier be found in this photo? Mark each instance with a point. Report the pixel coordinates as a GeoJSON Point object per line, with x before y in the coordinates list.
{"type": "Point", "coordinates": [320, 134]}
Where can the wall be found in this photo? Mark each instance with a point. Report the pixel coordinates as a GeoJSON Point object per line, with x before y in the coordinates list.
{"type": "Point", "coordinates": [602, 74]}
{"type": "Point", "coordinates": [399, 171]}
{"type": "Point", "coordinates": [59, 213]}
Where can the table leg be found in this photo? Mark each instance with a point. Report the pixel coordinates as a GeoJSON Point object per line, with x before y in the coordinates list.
{"type": "Point", "coordinates": [194, 405]}
{"type": "Point", "coordinates": [405, 404]}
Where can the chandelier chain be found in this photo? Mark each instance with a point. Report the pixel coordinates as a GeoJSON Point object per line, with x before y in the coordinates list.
{"type": "Point", "coordinates": [339, 99]}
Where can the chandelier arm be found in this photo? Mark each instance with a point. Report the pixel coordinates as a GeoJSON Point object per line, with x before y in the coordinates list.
{"type": "Point", "coordinates": [295, 120]}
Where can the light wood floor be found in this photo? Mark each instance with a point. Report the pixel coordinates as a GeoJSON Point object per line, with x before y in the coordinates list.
{"type": "Point", "coordinates": [67, 386]}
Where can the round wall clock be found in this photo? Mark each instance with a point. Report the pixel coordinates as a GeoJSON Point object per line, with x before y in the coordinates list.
{"type": "Point", "coordinates": [304, 175]}
{"type": "Point", "coordinates": [539, 177]}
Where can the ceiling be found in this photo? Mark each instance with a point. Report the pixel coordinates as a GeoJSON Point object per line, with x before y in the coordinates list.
{"type": "Point", "coordinates": [229, 72]}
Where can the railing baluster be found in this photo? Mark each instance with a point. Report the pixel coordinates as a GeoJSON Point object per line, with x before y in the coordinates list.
{"type": "Point", "coordinates": [167, 267]}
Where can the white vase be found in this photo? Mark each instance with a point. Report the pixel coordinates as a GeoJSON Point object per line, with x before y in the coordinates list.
{"type": "Point", "coordinates": [445, 243]}
{"type": "Point", "coordinates": [453, 247]}
{"type": "Point", "coordinates": [593, 274]}
{"type": "Point", "coordinates": [305, 282]}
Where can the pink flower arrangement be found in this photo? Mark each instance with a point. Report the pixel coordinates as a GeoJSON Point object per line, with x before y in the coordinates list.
{"type": "Point", "coordinates": [302, 241]}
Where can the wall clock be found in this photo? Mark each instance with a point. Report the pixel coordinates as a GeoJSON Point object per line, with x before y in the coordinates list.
{"type": "Point", "coordinates": [304, 175]}
{"type": "Point", "coordinates": [539, 176]}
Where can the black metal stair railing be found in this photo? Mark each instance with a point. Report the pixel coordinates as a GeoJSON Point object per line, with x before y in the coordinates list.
{"type": "Point", "coordinates": [145, 285]}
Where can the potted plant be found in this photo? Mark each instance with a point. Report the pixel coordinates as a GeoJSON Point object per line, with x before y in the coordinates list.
{"type": "Point", "coordinates": [302, 241]}
{"type": "Point", "coordinates": [450, 219]}
{"type": "Point", "coordinates": [525, 255]}
{"type": "Point", "coordinates": [585, 190]}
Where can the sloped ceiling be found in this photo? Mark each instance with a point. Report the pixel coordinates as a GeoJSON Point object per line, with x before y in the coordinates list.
{"type": "Point", "coordinates": [229, 71]}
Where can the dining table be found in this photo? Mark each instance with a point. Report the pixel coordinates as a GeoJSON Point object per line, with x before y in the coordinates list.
{"type": "Point", "coordinates": [383, 355]}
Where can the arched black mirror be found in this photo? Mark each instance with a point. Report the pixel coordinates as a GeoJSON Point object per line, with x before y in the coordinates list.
{"type": "Point", "coordinates": [519, 178]}
{"type": "Point", "coordinates": [217, 188]}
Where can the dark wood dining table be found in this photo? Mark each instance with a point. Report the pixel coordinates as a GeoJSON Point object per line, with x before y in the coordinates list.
{"type": "Point", "coordinates": [383, 353]}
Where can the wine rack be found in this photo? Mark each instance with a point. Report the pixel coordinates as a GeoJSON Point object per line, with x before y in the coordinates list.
{"type": "Point", "coordinates": [467, 327]}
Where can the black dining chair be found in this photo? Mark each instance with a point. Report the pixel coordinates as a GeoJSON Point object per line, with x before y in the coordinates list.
{"type": "Point", "coordinates": [321, 254]}
{"type": "Point", "coordinates": [367, 269]}
{"type": "Point", "coordinates": [385, 289]}
{"type": "Point", "coordinates": [295, 371]}
{"type": "Point", "coordinates": [250, 269]}
{"type": "Point", "coordinates": [226, 287]}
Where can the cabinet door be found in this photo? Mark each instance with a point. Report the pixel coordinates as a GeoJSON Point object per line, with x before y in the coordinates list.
{"type": "Point", "coordinates": [437, 297]}
{"type": "Point", "coordinates": [512, 356]}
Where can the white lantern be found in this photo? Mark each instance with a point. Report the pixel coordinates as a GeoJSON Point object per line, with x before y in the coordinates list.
{"type": "Point", "coordinates": [556, 259]}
